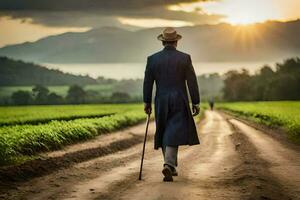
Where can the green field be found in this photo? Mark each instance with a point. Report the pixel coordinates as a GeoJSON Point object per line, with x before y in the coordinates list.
{"type": "Point", "coordinates": [26, 131]}
{"type": "Point", "coordinates": [285, 114]}
{"type": "Point", "coordinates": [12, 115]}
{"type": "Point", "coordinates": [62, 125]}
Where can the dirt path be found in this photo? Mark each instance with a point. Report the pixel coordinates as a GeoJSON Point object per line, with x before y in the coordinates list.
{"type": "Point", "coordinates": [234, 161]}
{"type": "Point", "coordinates": [284, 162]}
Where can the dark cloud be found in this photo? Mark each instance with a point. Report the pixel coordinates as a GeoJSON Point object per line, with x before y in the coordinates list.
{"type": "Point", "coordinates": [97, 13]}
{"type": "Point", "coordinates": [84, 5]}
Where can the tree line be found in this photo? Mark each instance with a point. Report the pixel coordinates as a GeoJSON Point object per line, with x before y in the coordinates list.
{"type": "Point", "coordinates": [40, 95]}
{"type": "Point", "coordinates": [267, 84]}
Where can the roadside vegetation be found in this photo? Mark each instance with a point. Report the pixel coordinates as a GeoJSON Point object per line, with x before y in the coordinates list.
{"type": "Point", "coordinates": [284, 114]}
{"type": "Point", "coordinates": [19, 142]}
{"type": "Point", "coordinates": [17, 115]}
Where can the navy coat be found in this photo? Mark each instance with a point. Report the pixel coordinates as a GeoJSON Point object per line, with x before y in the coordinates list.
{"type": "Point", "coordinates": [172, 71]}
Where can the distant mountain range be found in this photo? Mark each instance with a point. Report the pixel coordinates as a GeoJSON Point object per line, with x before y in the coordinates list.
{"type": "Point", "coordinates": [215, 43]}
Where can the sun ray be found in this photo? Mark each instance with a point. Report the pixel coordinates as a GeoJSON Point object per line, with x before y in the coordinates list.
{"type": "Point", "coordinates": [242, 12]}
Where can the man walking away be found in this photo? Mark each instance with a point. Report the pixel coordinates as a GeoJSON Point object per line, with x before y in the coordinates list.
{"type": "Point", "coordinates": [171, 70]}
{"type": "Point", "coordinates": [211, 103]}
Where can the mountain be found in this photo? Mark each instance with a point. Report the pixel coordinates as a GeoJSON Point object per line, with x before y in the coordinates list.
{"type": "Point", "coordinates": [218, 43]}
{"type": "Point", "coordinates": [16, 73]}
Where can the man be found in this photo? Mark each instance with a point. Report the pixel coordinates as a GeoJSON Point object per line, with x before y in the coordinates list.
{"type": "Point", "coordinates": [211, 103]}
{"type": "Point", "coordinates": [171, 70]}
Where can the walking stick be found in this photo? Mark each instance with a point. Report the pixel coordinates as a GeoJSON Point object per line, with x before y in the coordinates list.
{"type": "Point", "coordinates": [143, 153]}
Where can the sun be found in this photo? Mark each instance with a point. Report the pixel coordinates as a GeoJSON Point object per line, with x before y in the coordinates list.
{"type": "Point", "coordinates": [243, 19]}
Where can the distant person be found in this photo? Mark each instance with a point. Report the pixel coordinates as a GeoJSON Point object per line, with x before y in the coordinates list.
{"type": "Point", "coordinates": [211, 103]}
{"type": "Point", "coordinates": [171, 69]}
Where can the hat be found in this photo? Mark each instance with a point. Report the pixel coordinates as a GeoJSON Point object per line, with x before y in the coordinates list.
{"type": "Point", "coordinates": [169, 34]}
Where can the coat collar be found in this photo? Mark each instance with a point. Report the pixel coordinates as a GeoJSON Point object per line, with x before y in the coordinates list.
{"type": "Point", "coordinates": [169, 47]}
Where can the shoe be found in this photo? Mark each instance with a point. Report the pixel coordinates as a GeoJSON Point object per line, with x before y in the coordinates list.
{"type": "Point", "coordinates": [167, 172]}
{"type": "Point", "coordinates": [174, 172]}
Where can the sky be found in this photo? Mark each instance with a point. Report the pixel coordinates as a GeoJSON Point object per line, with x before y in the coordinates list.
{"type": "Point", "coordinates": [30, 20]}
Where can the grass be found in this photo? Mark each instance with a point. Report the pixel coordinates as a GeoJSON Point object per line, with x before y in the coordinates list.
{"type": "Point", "coordinates": [28, 130]}
{"type": "Point", "coordinates": [17, 115]}
{"type": "Point", "coordinates": [28, 140]}
{"type": "Point", "coordinates": [284, 114]}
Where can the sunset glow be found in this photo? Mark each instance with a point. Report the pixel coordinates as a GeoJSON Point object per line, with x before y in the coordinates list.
{"type": "Point", "coordinates": [151, 23]}
{"type": "Point", "coordinates": [245, 11]}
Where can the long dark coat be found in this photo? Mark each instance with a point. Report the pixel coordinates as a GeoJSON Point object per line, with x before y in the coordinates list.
{"type": "Point", "coordinates": [171, 70]}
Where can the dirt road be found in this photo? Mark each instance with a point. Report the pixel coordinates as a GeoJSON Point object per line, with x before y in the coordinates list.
{"type": "Point", "coordinates": [234, 161]}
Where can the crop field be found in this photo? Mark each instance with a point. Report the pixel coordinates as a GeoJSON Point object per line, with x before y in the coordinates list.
{"type": "Point", "coordinates": [28, 130]}
{"type": "Point", "coordinates": [16, 115]}
{"type": "Point", "coordinates": [285, 114]}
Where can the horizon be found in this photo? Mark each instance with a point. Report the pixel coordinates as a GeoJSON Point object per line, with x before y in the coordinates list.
{"type": "Point", "coordinates": [201, 68]}
{"type": "Point", "coordinates": [136, 70]}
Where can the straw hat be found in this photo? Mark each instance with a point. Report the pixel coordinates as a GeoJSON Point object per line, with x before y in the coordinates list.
{"type": "Point", "coordinates": [169, 34]}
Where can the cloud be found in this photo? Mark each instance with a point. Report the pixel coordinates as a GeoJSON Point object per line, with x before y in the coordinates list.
{"type": "Point", "coordinates": [84, 5]}
{"type": "Point", "coordinates": [95, 13]}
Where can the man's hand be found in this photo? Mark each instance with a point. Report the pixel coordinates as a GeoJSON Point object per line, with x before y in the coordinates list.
{"type": "Point", "coordinates": [147, 108]}
{"type": "Point", "coordinates": [196, 110]}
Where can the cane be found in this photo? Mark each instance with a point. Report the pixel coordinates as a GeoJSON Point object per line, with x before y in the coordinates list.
{"type": "Point", "coordinates": [143, 153]}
